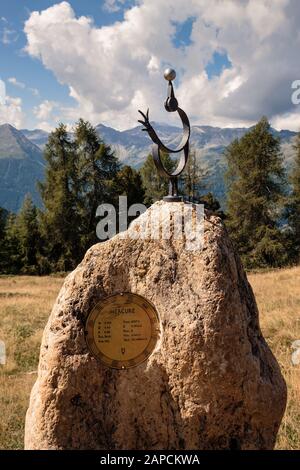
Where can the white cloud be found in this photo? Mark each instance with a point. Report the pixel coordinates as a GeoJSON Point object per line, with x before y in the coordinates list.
{"type": "Point", "coordinates": [34, 91]}
{"type": "Point", "coordinates": [11, 112]}
{"type": "Point", "coordinates": [8, 36]}
{"type": "Point", "coordinates": [289, 121]}
{"type": "Point", "coordinates": [111, 71]}
{"type": "Point", "coordinates": [19, 84]}
{"type": "Point", "coordinates": [113, 5]}
{"type": "Point", "coordinates": [44, 111]}
{"type": "Point", "coordinates": [2, 92]}
{"type": "Point", "coordinates": [45, 126]}
{"type": "Point", "coordinates": [16, 83]}
{"type": "Point", "coordinates": [50, 113]}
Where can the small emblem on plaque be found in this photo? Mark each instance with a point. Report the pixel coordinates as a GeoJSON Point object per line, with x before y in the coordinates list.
{"type": "Point", "coordinates": [122, 330]}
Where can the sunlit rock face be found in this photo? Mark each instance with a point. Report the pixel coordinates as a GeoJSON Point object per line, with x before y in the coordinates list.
{"type": "Point", "coordinates": [211, 381]}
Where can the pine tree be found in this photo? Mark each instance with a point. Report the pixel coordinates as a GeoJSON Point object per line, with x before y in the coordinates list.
{"type": "Point", "coordinates": [97, 169]}
{"type": "Point", "coordinates": [27, 232]}
{"type": "Point", "coordinates": [3, 249]}
{"type": "Point", "coordinates": [60, 219]}
{"type": "Point", "coordinates": [256, 183]}
{"type": "Point", "coordinates": [212, 204]}
{"type": "Point", "coordinates": [11, 263]}
{"type": "Point", "coordinates": [128, 182]}
{"type": "Point", "coordinates": [3, 217]}
{"type": "Point", "coordinates": [192, 178]}
{"type": "Point", "coordinates": [155, 186]}
{"type": "Point", "coordinates": [294, 204]}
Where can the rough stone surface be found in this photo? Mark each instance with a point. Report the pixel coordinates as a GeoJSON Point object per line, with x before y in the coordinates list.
{"type": "Point", "coordinates": [211, 383]}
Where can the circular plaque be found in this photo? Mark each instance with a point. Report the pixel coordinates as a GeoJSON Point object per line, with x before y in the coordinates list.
{"type": "Point", "coordinates": [122, 330]}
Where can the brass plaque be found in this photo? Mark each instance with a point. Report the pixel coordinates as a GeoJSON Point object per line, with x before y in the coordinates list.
{"type": "Point", "coordinates": [122, 330]}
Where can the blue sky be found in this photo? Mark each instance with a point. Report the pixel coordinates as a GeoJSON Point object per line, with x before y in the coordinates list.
{"type": "Point", "coordinates": [30, 72]}
{"type": "Point", "coordinates": [103, 59]}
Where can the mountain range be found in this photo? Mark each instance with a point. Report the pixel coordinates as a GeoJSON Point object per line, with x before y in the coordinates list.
{"type": "Point", "coordinates": [22, 163]}
{"type": "Point", "coordinates": [21, 166]}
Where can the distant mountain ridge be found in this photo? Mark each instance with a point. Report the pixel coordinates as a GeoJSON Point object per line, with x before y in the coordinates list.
{"type": "Point", "coordinates": [21, 166]}
{"type": "Point", "coordinates": [38, 137]}
{"type": "Point", "coordinates": [131, 146]}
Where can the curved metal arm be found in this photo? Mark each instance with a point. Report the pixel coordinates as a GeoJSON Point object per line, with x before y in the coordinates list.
{"type": "Point", "coordinates": [171, 105]}
{"type": "Point", "coordinates": [156, 139]}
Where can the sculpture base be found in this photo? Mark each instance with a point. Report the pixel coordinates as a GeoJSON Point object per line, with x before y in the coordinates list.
{"type": "Point", "coordinates": [173, 198]}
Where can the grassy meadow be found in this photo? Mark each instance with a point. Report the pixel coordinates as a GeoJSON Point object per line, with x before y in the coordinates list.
{"type": "Point", "coordinates": [25, 304]}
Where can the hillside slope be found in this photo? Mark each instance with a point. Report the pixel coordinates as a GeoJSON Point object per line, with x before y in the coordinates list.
{"type": "Point", "coordinates": [21, 166]}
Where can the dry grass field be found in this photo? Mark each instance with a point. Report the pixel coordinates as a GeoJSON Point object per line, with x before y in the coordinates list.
{"type": "Point", "coordinates": [25, 303]}
{"type": "Point", "coordinates": [278, 298]}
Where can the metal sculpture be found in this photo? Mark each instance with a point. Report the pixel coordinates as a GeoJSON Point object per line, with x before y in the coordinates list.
{"type": "Point", "coordinates": [171, 105]}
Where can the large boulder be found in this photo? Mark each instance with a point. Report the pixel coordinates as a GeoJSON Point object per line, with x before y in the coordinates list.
{"type": "Point", "coordinates": [212, 381]}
